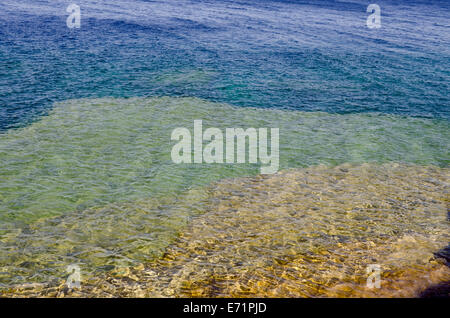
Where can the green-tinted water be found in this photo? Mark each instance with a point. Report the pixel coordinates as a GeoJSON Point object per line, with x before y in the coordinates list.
{"type": "Point", "coordinates": [93, 182]}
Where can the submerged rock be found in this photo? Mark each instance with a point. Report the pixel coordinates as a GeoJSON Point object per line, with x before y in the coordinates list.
{"type": "Point", "coordinates": [303, 233]}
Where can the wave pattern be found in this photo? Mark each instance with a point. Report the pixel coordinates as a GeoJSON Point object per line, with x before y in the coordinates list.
{"type": "Point", "coordinates": [93, 182]}
{"type": "Point", "coordinates": [308, 232]}
{"type": "Point", "coordinates": [308, 55]}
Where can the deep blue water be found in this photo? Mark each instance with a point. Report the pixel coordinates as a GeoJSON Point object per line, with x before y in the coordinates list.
{"type": "Point", "coordinates": [306, 55]}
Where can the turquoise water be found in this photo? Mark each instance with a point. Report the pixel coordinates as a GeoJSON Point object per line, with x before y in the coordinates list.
{"type": "Point", "coordinates": [86, 114]}
{"type": "Point", "coordinates": [304, 55]}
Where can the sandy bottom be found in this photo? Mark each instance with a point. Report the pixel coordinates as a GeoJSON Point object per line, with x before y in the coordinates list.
{"type": "Point", "coordinates": [299, 233]}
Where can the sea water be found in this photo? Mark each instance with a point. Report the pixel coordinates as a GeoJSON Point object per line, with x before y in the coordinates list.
{"type": "Point", "coordinates": [86, 116]}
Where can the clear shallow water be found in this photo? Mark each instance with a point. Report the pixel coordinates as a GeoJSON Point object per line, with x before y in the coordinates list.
{"type": "Point", "coordinates": [105, 166]}
{"type": "Point", "coordinates": [90, 180]}
{"type": "Point", "coordinates": [308, 232]}
{"type": "Point", "coordinates": [93, 152]}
